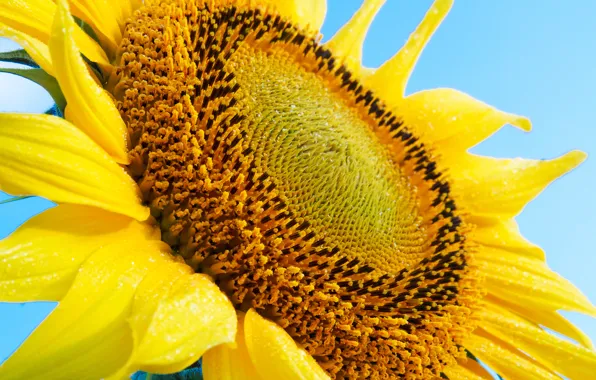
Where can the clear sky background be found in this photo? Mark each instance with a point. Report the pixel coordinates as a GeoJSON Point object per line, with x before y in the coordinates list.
{"type": "Point", "coordinates": [535, 58]}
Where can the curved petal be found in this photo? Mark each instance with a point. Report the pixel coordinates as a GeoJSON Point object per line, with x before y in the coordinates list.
{"type": "Point", "coordinates": [502, 187]}
{"type": "Point", "coordinates": [34, 18]}
{"type": "Point", "coordinates": [558, 355]}
{"type": "Point", "coordinates": [87, 335]}
{"type": "Point", "coordinates": [509, 364]}
{"type": "Point", "coordinates": [503, 234]}
{"type": "Point", "coordinates": [176, 317]}
{"type": "Point", "coordinates": [548, 318]}
{"type": "Point", "coordinates": [123, 9]}
{"type": "Point", "coordinates": [398, 69]}
{"type": "Point", "coordinates": [453, 121]}
{"type": "Point", "coordinates": [230, 361]}
{"type": "Point", "coordinates": [274, 353]}
{"type": "Point", "coordinates": [39, 261]}
{"type": "Point", "coordinates": [102, 16]}
{"type": "Point", "coordinates": [47, 156]}
{"type": "Point", "coordinates": [91, 107]}
{"type": "Point", "coordinates": [530, 282]}
{"type": "Point", "coordinates": [31, 17]}
{"type": "Point", "coordinates": [347, 43]}
{"type": "Point", "coordinates": [35, 48]}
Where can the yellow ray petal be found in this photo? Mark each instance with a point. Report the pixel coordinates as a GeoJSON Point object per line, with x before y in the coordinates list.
{"type": "Point", "coordinates": [505, 362]}
{"type": "Point", "coordinates": [176, 317]}
{"type": "Point", "coordinates": [503, 234]}
{"type": "Point", "coordinates": [347, 43]}
{"type": "Point", "coordinates": [274, 353]}
{"type": "Point", "coordinates": [102, 16]}
{"type": "Point", "coordinates": [47, 156]}
{"type": "Point", "coordinates": [30, 17]}
{"type": "Point", "coordinates": [123, 9]}
{"type": "Point", "coordinates": [35, 48]}
{"type": "Point", "coordinates": [557, 354]}
{"type": "Point", "coordinates": [230, 361]}
{"type": "Point", "coordinates": [398, 69]}
{"type": "Point", "coordinates": [87, 335]}
{"type": "Point", "coordinates": [34, 18]}
{"type": "Point", "coordinates": [512, 349]}
{"type": "Point", "coordinates": [305, 13]}
{"type": "Point", "coordinates": [39, 261]}
{"type": "Point", "coordinates": [530, 282]}
{"type": "Point", "coordinates": [502, 187]}
{"type": "Point", "coordinates": [453, 121]}
{"type": "Point", "coordinates": [548, 318]}
{"type": "Point", "coordinates": [147, 297]}
{"type": "Point", "coordinates": [91, 107]}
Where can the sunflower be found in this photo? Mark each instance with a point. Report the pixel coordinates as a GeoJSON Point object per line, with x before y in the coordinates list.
{"type": "Point", "coordinates": [232, 189]}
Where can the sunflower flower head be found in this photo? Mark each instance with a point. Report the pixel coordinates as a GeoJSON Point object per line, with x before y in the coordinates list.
{"type": "Point", "coordinates": [229, 187]}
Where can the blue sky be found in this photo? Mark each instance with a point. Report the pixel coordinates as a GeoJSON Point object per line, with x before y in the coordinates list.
{"type": "Point", "coordinates": [535, 58]}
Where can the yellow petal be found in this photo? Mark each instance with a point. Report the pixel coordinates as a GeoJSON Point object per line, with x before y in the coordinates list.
{"type": "Point", "coordinates": [35, 48]}
{"type": "Point", "coordinates": [230, 361]}
{"type": "Point", "coordinates": [398, 69]}
{"type": "Point", "coordinates": [102, 16]}
{"type": "Point", "coordinates": [91, 108]}
{"type": "Point", "coordinates": [34, 17]}
{"type": "Point", "coordinates": [548, 318]}
{"type": "Point", "coordinates": [176, 317]}
{"type": "Point", "coordinates": [529, 281]}
{"type": "Point", "coordinates": [39, 261]}
{"type": "Point", "coordinates": [122, 9]}
{"type": "Point", "coordinates": [147, 297]}
{"type": "Point", "coordinates": [453, 121]}
{"type": "Point", "coordinates": [274, 353]}
{"type": "Point", "coordinates": [305, 13]}
{"type": "Point", "coordinates": [47, 156]}
{"type": "Point", "coordinates": [347, 43]}
{"type": "Point", "coordinates": [502, 187]}
{"type": "Point", "coordinates": [503, 234]}
{"type": "Point", "coordinates": [30, 17]}
{"type": "Point", "coordinates": [559, 355]}
{"type": "Point", "coordinates": [461, 373]}
{"type": "Point", "coordinates": [87, 335]}
{"type": "Point", "coordinates": [506, 363]}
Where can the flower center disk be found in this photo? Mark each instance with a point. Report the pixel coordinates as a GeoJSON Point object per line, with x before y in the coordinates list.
{"type": "Point", "coordinates": [274, 171]}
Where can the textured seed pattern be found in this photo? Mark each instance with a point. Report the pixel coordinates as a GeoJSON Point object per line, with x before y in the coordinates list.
{"type": "Point", "coordinates": [271, 168]}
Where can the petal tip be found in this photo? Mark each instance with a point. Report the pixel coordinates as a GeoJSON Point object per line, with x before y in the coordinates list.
{"type": "Point", "coordinates": [398, 68]}
{"type": "Point", "coordinates": [522, 123]}
{"type": "Point", "coordinates": [142, 213]}
{"type": "Point", "coordinates": [121, 157]}
{"type": "Point", "coordinates": [443, 5]}
{"type": "Point", "coordinates": [573, 159]}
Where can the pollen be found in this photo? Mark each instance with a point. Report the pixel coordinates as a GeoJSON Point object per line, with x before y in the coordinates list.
{"type": "Point", "coordinates": [268, 166]}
